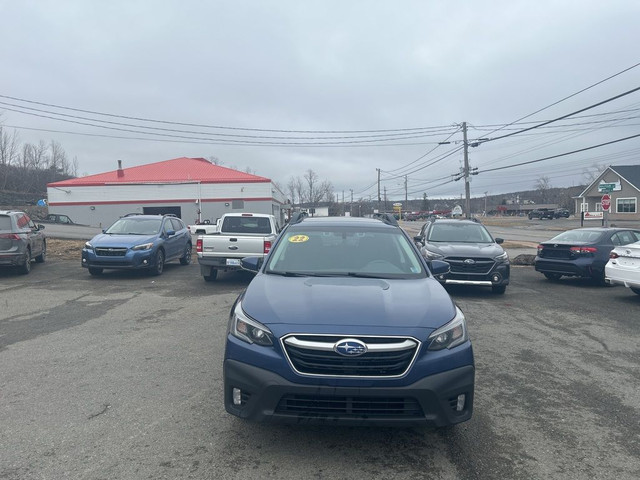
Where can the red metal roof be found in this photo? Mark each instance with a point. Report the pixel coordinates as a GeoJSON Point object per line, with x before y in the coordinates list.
{"type": "Point", "coordinates": [177, 170]}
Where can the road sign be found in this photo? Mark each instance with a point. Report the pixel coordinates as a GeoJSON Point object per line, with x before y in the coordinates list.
{"type": "Point", "coordinates": [606, 187]}
{"type": "Point", "coordinates": [605, 202]}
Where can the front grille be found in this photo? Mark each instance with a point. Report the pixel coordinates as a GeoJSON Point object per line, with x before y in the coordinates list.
{"type": "Point", "coordinates": [110, 252]}
{"type": "Point", "coordinates": [473, 265]}
{"type": "Point", "coordinates": [349, 406]}
{"type": "Point", "coordinates": [386, 356]}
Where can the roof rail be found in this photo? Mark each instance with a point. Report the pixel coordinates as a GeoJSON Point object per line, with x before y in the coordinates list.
{"type": "Point", "coordinates": [298, 217]}
{"type": "Point", "coordinates": [387, 218]}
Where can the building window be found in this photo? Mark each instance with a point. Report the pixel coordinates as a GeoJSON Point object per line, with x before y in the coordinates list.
{"type": "Point", "coordinates": [237, 204]}
{"type": "Point", "coordinates": [584, 207]}
{"type": "Point", "coordinates": [598, 207]}
{"type": "Point", "coordinates": [626, 205]}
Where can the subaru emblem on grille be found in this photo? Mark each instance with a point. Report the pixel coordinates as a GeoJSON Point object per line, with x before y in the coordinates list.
{"type": "Point", "coordinates": [469, 261]}
{"type": "Point", "coordinates": [350, 347]}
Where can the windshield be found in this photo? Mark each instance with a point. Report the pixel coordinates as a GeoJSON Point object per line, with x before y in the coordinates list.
{"type": "Point", "coordinates": [461, 233]}
{"type": "Point", "coordinates": [135, 226]}
{"type": "Point", "coordinates": [578, 236]}
{"type": "Point", "coordinates": [345, 251]}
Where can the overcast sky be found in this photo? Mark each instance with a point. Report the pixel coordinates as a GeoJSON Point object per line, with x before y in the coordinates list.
{"type": "Point", "coordinates": [339, 87]}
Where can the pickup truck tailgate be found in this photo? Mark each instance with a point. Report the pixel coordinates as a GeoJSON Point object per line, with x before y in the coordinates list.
{"type": "Point", "coordinates": [236, 246]}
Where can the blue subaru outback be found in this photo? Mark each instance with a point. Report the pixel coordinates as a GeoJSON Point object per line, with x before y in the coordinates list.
{"type": "Point", "coordinates": [344, 323]}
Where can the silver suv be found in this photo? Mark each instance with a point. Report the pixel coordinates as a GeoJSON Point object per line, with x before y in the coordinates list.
{"type": "Point", "coordinates": [21, 240]}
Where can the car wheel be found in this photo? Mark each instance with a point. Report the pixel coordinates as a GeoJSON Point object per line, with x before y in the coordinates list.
{"type": "Point", "coordinates": [186, 258]}
{"type": "Point", "coordinates": [43, 256]}
{"type": "Point", "coordinates": [499, 289]}
{"type": "Point", "coordinates": [95, 271]}
{"type": "Point", "coordinates": [212, 275]}
{"type": "Point", "coordinates": [26, 266]}
{"type": "Point", "coordinates": [552, 276]}
{"type": "Point", "coordinates": [158, 266]}
{"type": "Point", "coordinates": [635, 290]}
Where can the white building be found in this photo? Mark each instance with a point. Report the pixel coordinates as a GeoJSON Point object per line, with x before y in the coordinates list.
{"type": "Point", "coordinates": [191, 188]}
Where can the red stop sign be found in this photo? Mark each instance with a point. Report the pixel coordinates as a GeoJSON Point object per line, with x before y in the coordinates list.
{"type": "Point", "coordinates": [605, 202]}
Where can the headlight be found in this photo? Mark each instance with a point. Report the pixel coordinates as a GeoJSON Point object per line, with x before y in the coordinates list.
{"type": "Point", "coordinates": [88, 246]}
{"type": "Point", "coordinates": [503, 257]}
{"type": "Point", "coordinates": [144, 246]}
{"type": "Point", "coordinates": [249, 330]}
{"type": "Point", "coordinates": [429, 255]}
{"type": "Point", "coordinates": [452, 334]}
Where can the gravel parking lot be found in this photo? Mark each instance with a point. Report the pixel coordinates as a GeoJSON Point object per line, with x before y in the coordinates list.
{"type": "Point", "coordinates": [119, 376]}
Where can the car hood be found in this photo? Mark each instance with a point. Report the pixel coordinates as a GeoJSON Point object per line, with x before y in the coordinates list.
{"type": "Point", "coordinates": [336, 302]}
{"type": "Point", "coordinates": [466, 249]}
{"type": "Point", "coordinates": [106, 240]}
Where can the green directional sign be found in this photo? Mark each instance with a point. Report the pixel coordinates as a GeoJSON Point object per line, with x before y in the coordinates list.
{"type": "Point", "coordinates": [606, 187]}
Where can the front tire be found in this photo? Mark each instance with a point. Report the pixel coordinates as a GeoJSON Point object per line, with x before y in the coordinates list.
{"type": "Point", "coordinates": [25, 268]}
{"type": "Point", "coordinates": [499, 289]}
{"type": "Point", "coordinates": [158, 267]}
{"type": "Point", "coordinates": [95, 271]}
{"type": "Point", "coordinates": [43, 256]}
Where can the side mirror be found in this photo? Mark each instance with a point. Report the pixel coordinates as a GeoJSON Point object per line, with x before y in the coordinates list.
{"type": "Point", "coordinates": [438, 267]}
{"type": "Point", "coordinates": [171, 233]}
{"type": "Point", "coordinates": [499, 240]}
{"type": "Point", "coordinates": [40, 226]}
{"type": "Point", "coordinates": [252, 264]}
{"type": "Point", "coordinates": [417, 239]}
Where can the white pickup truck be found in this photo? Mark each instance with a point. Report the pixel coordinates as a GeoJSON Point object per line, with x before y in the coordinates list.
{"type": "Point", "coordinates": [204, 227]}
{"type": "Point", "coordinates": [239, 235]}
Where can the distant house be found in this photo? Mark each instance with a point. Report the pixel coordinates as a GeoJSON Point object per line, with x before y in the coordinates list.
{"type": "Point", "coordinates": [191, 188]}
{"type": "Point", "coordinates": [624, 183]}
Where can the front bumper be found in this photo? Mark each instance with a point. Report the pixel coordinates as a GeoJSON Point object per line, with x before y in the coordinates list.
{"type": "Point", "coordinates": [131, 261]}
{"type": "Point", "coordinates": [497, 276]}
{"type": "Point", "coordinates": [266, 396]}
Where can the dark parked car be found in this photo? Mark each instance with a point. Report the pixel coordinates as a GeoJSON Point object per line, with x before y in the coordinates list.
{"type": "Point", "coordinates": [542, 213]}
{"type": "Point", "coordinates": [561, 213]}
{"type": "Point", "coordinates": [582, 252]}
{"type": "Point", "coordinates": [58, 218]}
{"type": "Point", "coordinates": [21, 240]}
{"type": "Point", "coordinates": [345, 324]}
{"type": "Point", "coordinates": [476, 258]}
{"type": "Point", "coordinates": [138, 242]}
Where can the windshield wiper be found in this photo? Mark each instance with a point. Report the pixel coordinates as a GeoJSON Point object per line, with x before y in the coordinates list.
{"type": "Point", "coordinates": [287, 274]}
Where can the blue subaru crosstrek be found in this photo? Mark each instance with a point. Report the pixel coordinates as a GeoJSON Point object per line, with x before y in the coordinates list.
{"type": "Point", "coordinates": [138, 242]}
{"type": "Point", "coordinates": [344, 323]}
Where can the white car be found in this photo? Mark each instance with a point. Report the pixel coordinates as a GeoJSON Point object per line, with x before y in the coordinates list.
{"type": "Point", "coordinates": [623, 267]}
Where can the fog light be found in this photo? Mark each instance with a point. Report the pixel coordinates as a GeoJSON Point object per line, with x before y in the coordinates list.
{"type": "Point", "coordinates": [84, 260]}
{"type": "Point", "coordinates": [146, 262]}
{"type": "Point", "coordinates": [496, 278]}
{"type": "Point", "coordinates": [237, 397]}
{"type": "Point", "coordinates": [460, 404]}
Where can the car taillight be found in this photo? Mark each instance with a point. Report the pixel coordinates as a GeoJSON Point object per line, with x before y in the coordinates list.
{"type": "Point", "coordinates": [583, 250]}
{"type": "Point", "coordinates": [613, 255]}
{"type": "Point", "coordinates": [10, 236]}
{"type": "Point", "coordinates": [199, 245]}
{"type": "Point", "coordinates": [540, 248]}
{"type": "Point", "coordinates": [267, 246]}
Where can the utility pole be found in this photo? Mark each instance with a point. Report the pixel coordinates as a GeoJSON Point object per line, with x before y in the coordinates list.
{"type": "Point", "coordinates": [378, 188]}
{"type": "Point", "coordinates": [351, 204]}
{"type": "Point", "coordinates": [406, 199]}
{"type": "Point", "coordinates": [467, 189]}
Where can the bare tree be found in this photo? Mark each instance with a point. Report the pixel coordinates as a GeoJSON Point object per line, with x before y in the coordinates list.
{"type": "Point", "coordinates": [592, 172]}
{"type": "Point", "coordinates": [543, 184]}
{"type": "Point", "coordinates": [8, 154]}
{"type": "Point", "coordinates": [294, 187]}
